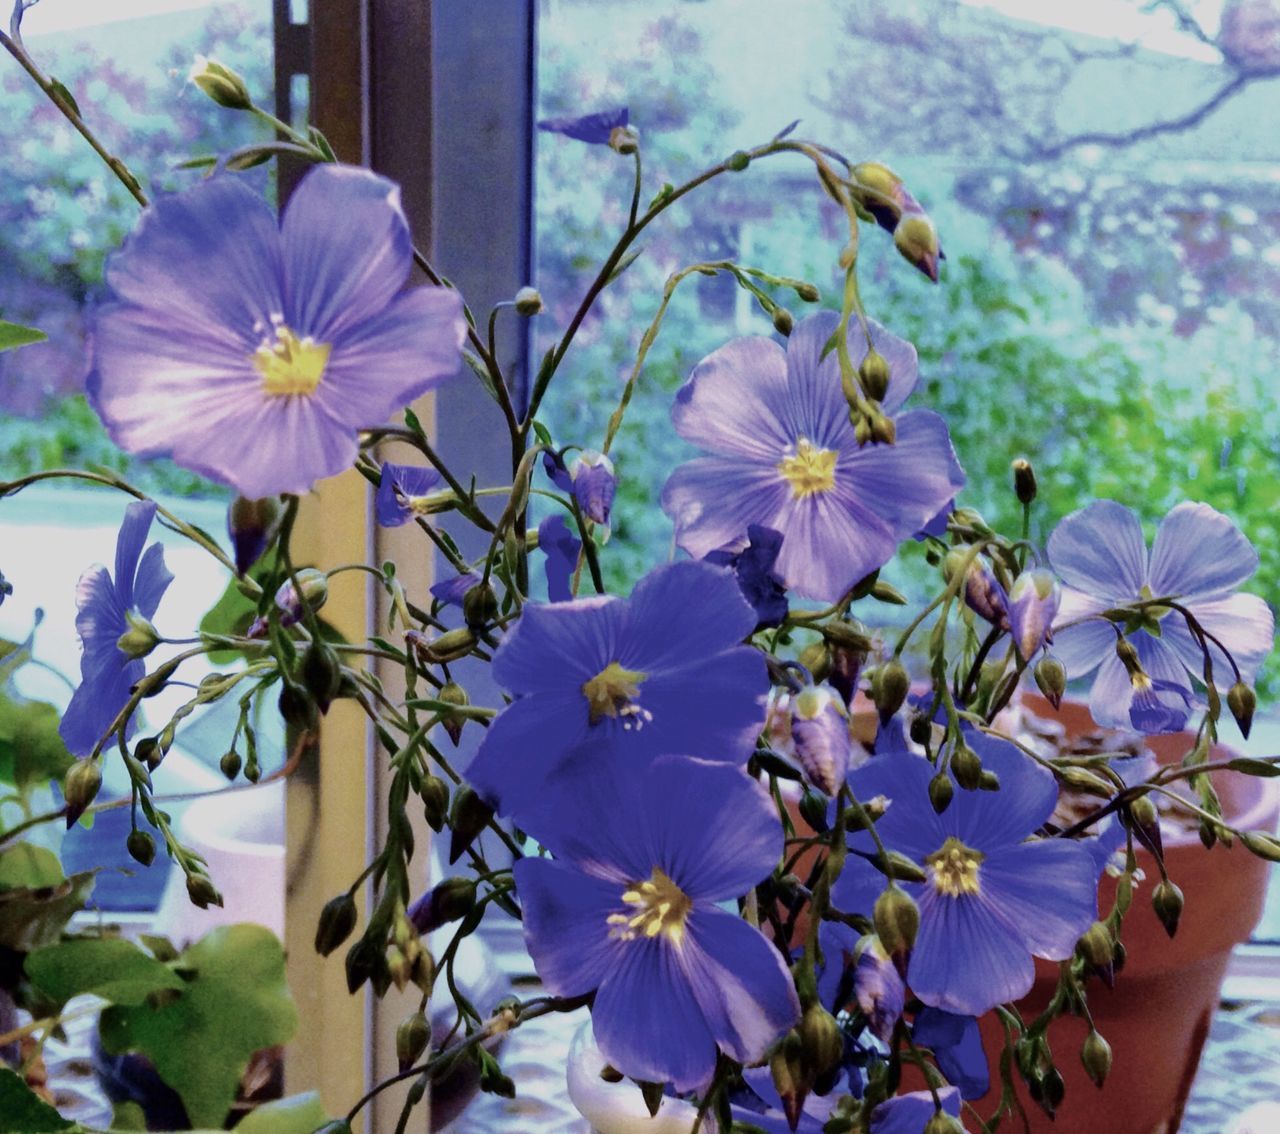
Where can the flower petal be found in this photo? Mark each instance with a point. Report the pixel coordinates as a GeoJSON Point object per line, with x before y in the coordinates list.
{"type": "Point", "coordinates": [1100, 550]}
{"type": "Point", "coordinates": [988, 820]}
{"type": "Point", "coordinates": [957, 1047]}
{"type": "Point", "coordinates": [910, 1113]}
{"type": "Point", "coordinates": [679, 601]}
{"type": "Point", "coordinates": [1111, 694]}
{"type": "Point", "coordinates": [1082, 647]}
{"type": "Point", "coordinates": [99, 619]}
{"type": "Point", "coordinates": [1046, 890]}
{"type": "Point", "coordinates": [712, 501]}
{"type": "Point", "coordinates": [1199, 551]}
{"type": "Point", "coordinates": [152, 581]}
{"type": "Point", "coordinates": [1243, 623]}
{"type": "Point", "coordinates": [95, 704]}
{"type": "Point", "coordinates": [133, 534]}
{"type": "Point", "coordinates": [556, 647]}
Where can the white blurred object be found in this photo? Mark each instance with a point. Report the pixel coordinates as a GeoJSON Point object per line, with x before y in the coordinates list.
{"type": "Point", "coordinates": [1261, 1118]}
{"type": "Point", "coordinates": [241, 835]}
{"type": "Point", "coordinates": [617, 1108]}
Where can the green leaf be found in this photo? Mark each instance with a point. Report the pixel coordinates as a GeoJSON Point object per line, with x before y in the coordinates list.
{"type": "Point", "coordinates": [234, 1002]}
{"type": "Point", "coordinates": [14, 335]}
{"type": "Point", "coordinates": [61, 91]}
{"type": "Point", "coordinates": [128, 1116]}
{"type": "Point", "coordinates": [31, 751]}
{"type": "Point", "coordinates": [110, 967]}
{"type": "Point", "coordinates": [543, 434]}
{"type": "Point", "coordinates": [34, 916]}
{"type": "Point", "coordinates": [27, 866]}
{"type": "Point", "coordinates": [298, 1114]}
{"type": "Point", "coordinates": [24, 1112]}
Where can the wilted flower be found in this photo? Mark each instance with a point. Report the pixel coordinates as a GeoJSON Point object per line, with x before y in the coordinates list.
{"type": "Point", "coordinates": [451, 592]}
{"type": "Point", "coordinates": [1199, 557]}
{"type": "Point", "coordinates": [108, 609]}
{"type": "Point", "coordinates": [252, 353]}
{"type": "Point", "coordinates": [629, 909]}
{"type": "Point", "coordinates": [812, 727]}
{"type": "Point", "coordinates": [786, 458]}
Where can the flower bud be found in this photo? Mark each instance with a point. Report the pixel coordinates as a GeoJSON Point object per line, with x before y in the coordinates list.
{"type": "Point", "coordinates": [1051, 678]}
{"type": "Point", "coordinates": [412, 1037]}
{"type": "Point", "coordinates": [792, 1078]}
{"type": "Point", "coordinates": [528, 302]}
{"type": "Point", "coordinates": [889, 688]}
{"type": "Point", "coordinates": [140, 639]}
{"type": "Point", "coordinates": [594, 485]}
{"type": "Point", "coordinates": [448, 647]}
{"type": "Point", "coordinates": [1166, 900]}
{"type": "Point", "coordinates": [1097, 946]}
{"type": "Point", "coordinates": [1242, 701]}
{"type": "Point", "coordinates": [896, 918]}
{"type": "Point", "coordinates": [965, 766]}
{"type": "Point", "coordinates": [230, 764]}
{"type": "Point", "coordinates": [884, 431]}
{"type": "Point", "coordinates": [1262, 844]}
{"type": "Point", "coordinates": [624, 139]}
{"type": "Point", "coordinates": [882, 194]}
{"type": "Point", "coordinates": [813, 810]}
{"type": "Point", "coordinates": [141, 847]}
{"type": "Point", "coordinates": [783, 320]}
{"type": "Point", "coordinates": [1095, 1054]}
{"type": "Point", "coordinates": [453, 694]}
{"type": "Point", "coordinates": [252, 525]}
{"type": "Point", "coordinates": [1083, 780]}
{"type": "Point", "coordinates": [435, 801]}
{"type": "Point", "coordinates": [1033, 605]}
{"type": "Point", "coordinates": [336, 922]}
{"type": "Point", "coordinates": [940, 792]}
{"type": "Point", "coordinates": [468, 816]}
{"type": "Point", "coordinates": [79, 788]}
{"type": "Point", "coordinates": [479, 606]}
{"type": "Point", "coordinates": [816, 658]}
{"type": "Point", "coordinates": [321, 673]}
{"type": "Point", "coordinates": [314, 586]}
{"type": "Point", "coordinates": [297, 709]}
{"type": "Point", "coordinates": [150, 752]}
{"type": "Point", "coordinates": [807, 292]}
{"type": "Point", "coordinates": [982, 592]}
{"type": "Point", "coordinates": [1024, 480]}
{"type": "Point", "coordinates": [820, 1039]}
{"type": "Point", "coordinates": [202, 891]}
{"type": "Point", "coordinates": [873, 375]}
{"type": "Point", "coordinates": [820, 734]}
{"type": "Point", "coordinates": [1049, 1091]}
{"type": "Point", "coordinates": [447, 901]}
{"type": "Point", "coordinates": [221, 84]}
{"type": "Point", "coordinates": [943, 1123]}
{"type": "Point", "coordinates": [917, 240]}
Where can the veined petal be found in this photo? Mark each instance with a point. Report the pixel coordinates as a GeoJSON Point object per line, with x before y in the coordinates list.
{"type": "Point", "coordinates": [909, 824]}
{"type": "Point", "coordinates": [133, 534]}
{"type": "Point", "coordinates": [737, 402]}
{"type": "Point", "coordinates": [830, 541]}
{"type": "Point", "coordinates": [957, 1047]}
{"type": "Point", "coordinates": [1082, 647]}
{"type": "Point", "coordinates": [566, 924]}
{"type": "Point", "coordinates": [648, 1023]}
{"type": "Point", "coordinates": [1101, 550]}
{"type": "Point", "coordinates": [100, 617]}
{"type": "Point", "coordinates": [95, 704]}
{"type": "Point", "coordinates": [1241, 622]}
{"type": "Point", "coordinates": [740, 982]}
{"type": "Point", "coordinates": [152, 581]}
{"type": "Point", "coordinates": [714, 500]}
{"type": "Point", "coordinates": [860, 883]}
{"type": "Point", "coordinates": [676, 599]}
{"type": "Point", "coordinates": [1111, 694]}
{"type": "Point", "coordinates": [988, 820]}
{"type": "Point", "coordinates": [1199, 551]}
{"type": "Point", "coordinates": [1046, 890]}
{"type": "Point", "coordinates": [816, 409]}
{"type": "Point", "coordinates": [340, 274]}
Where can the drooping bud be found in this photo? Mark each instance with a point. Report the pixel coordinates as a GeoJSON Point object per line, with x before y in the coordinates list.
{"type": "Point", "coordinates": [202, 892]}
{"type": "Point", "coordinates": [447, 901]}
{"type": "Point", "coordinates": [889, 688]}
{"type": "Point", "coordinates": [594, 485]}
{"type": "Point", "coordinates": [966, 766]}
{"type": "Point", "coordinates": [221, 84]}
{"type": "Point", "coordinates": [813, 810]}
{"type": "Point", "coordinates": [1242, 701]}
{"type": "Point", "coordinates": [528, 302]}
{"type": "Point", "coordinates": [337, 920]}
{"type": "Point", "coordinates": [881, 192]}
{"type": "Point", "coordinates": [321, 673]}
{"type": "Point", "coordinates": [820, 1039]}
{"type": "Point", "coordinates": [1097, 946]}
{"type": "Point", "coordinates": [141, 847]}
{"type": "Point", "coordinates": [451, 693]}
{"type": "Point", "coordinates": [449, 646]}
{"type": "Point", "coordinates": [820, 734]}
{"type": "Point", "coordinates": [917, 239]}
{"type": "Point", "coordinates": [412, 1037]}
{"type": "Point", "coordinates": [252, 525]}
{"type": "Point", "coordinates": [792, 1078]}
{"type": "Point", "coordinates": [873, 375]}
{"type": "Point", "coordinates": [479, 606]}
{"type": "Point", "coordinates": [80, 787]}
{"type": "Point", "coordinates": [1262, 844]}
{"type": "Point", "coordinates": [1095, 1054]}
{"type": "Point", "coordinates": [1167, 901]}
{"type": "Point", "coordinates": [982, 591]}
{"type": "Point", "coordinates": [1033, 605]}
{"type": "Point", "coordinates": [230, 763]}
{"type": "Point", "coordinates": [139, 639]}
{"type": "Point", "coordinates": [468, 816]}
{"type": "Point", "coordinates": [1051, 678]}
{"type": "Point", "coordinates": [296, 705]}
{"type": "Point", "coordinates": [435, 801]}
{"type": "Point", "coordinates": [943, 1123]}
{"type": "Point", "coordinates": [941, 790]}
{"type": "Point", "coordinates": [1024, 480]}
{"type": "Point", "coordinates": [896, 918]}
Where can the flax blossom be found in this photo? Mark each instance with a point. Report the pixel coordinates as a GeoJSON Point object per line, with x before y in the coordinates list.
{"type": "Point", "coordinates": [629, 909]}
{"type": "Point", "coordinates": [785, 457]}
{"type": "Point", "coordinates": [1200, 558]}
{"type": "Point", "coordinates": [252, 352]}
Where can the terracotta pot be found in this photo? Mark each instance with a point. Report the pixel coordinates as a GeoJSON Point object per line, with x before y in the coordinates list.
{"type": "Point", "coordinates": [1158, 1015]}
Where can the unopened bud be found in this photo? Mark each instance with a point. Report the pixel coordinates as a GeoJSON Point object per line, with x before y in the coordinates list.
{"type": "Point", "coordinates": [861, 427]}
{"type": "Point", "coordinates": [528, 302]}
{"type": "Point", "coordinates": [1262, 844]}
{"type": "Point", "coordinates": [820, 1039]}
{"type": "Point", "coordinates": [149, 751]}
{"type": "Point", "coordinates": [813, 810]}
{"type": "Point", "coordinates": [1095, 1054]}
{"type": "Point", "coordinates": [221, 84]}
{"type": "Point", "coordinates": [940, 792]}
{"type": "Point", "coordinates": [468, 816]}
{"type": "Point", "coordinates": [595, 484]}
{"type": "Point", "coordinates": [1024, 480]}
{"type": "Point", "coordinates": [943, 1123]}
{"type": "Point", "coordinates": [873, 375]}
{"type": "Point", "coordinates": [230, 764]}
{"type": "Point", "coordinates": [1128, 655]}
{"type": "Point", "coordinates": [448, 647]}
{"type": "Point", "coordinates": [896, 918]}
{"type": "Point", "coordinates": [816, 658]}
{"type": "Point", "coordinates": [202, 892]}
{"type": "Point", "coordinates": [321, 673]}
{"type": "Point", "coordinates": [807, 292]}
{"type": "Point", "coordinates": [791, 1076]}
{"type": "Point", "coordinates": [453, 694]}
{"type": "Point", "coordinates": [1167, 901]}
{"type": "Point", "coordinates": [435, 801]}
{"type": "Point", "coordinates": [479, 606]}
{"type": "Point", "coordinates": [79, 788]}
{"type": "Point", "coordinates": [1242, 701]}
{"type": "Point", "coordinates": [889, 688]}
{"type": "Point", "coordinates": [1049, 1091]}
{"type": "Point", "coordinates": [1051, 679]}
{"type": "Point", "coordinates": [337, 920]}
{"type": "Point", "coordinates": [783, 320]}
{"type": "Point", "coordinates": [139, 639]}
{"type": "Point", "coordinates": [917, 240]}
{"type": "Point", "coordinates": [252, 525]}
{"type": "Point", "coordinates": [447, 901]}
{"type": "Point", "coordinates": [965, 766]}
{"type": "Point", "coordinates": [141, 847]}
{"type": "Point", "coordinates": [1097, 946]}
{"type": "Point", "coordinates": [296, 706]}
{"type": "Point", "coordinates": [412, 1037]}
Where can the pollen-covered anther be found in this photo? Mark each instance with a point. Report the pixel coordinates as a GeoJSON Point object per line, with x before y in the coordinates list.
{"type": "Point", "coordinates": [661, 908]}
{"type": "Point", "coordinates": [809, 470]}
{"type": "Point", "coordinates": [954, 868]}
{"type": "Point", "coordinates": [613, 693]}
{"type": "Point", "coordinates": [290, 365]}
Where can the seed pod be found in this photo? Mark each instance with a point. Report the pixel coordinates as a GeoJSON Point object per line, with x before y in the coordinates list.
{"type": "Point", "coordinates": [940, 792]}
{"type": "Point", "coordinates": [80, 787]}
{"type": "Point", "coordinates": [873, 375]}
{"type": "Point", "coordinates": [412, 1037]}
{"type": "Point", "coordinates": [1095, 1054]}
{"type": "Point", "coordinates": [1097, 946]}
{"type": "Point", "coordinates": [468, 816]}
{"type": "Point", "coordinates": [1242, 701]}
{"type": "Point", "coordinates": [889, 688]}
{"type": "Point", "coordinates": [1167, 901]}
{"type": "Point", "coordinates": [230, 764]}
{"type": "Point", "coordinates": [479, 606]}
{"type": "Point", "coordinates": [1024, 480]}
{"type": "Point", "coordinates": [453, 694]}
{"type": "Point", "coordinates": [820, 1039]}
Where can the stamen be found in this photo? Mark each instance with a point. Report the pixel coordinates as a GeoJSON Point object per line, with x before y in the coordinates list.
{"type": "Point", "coordinates": [612, 693]}
{"type": "Point", "coordinates": [809, 470]}
{"type": "Point", "coordinates": [955, 868]}
{"type": "Point", "coordinates": [662, 908]}
{"type": "Point", "coordinates": [290, 365]}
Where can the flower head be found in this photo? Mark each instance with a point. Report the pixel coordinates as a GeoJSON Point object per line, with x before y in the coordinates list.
{"type": "Point", "coordinates": [785, 456]}
{"type": "Point", "coordinates": [957, 1049]}
{"type": "Point", "coordinates": [252, 352]}
{"type": "Point", "coordinates": [1033, 602]}
{"type": "Point", "coordinates": [403, 493]}
{"type": "Point", "coordinates": [599, 129]}
{"type": "Point", "coordinates": [594, 485]}
{"type": "Point", "coordinates": [108, 609]}
{"type": "Point", "coordinates": [629, 909]}
{"type": "Point", "coordinates": [662, 671]}
{"type": "Point", "coordinates": [1199, 559]}
{"type": "Point", "coordinates": [991, 900]}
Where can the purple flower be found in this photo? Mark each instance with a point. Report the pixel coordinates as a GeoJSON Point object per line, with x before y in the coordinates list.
{"type": "Point", "coordinates": [659, 672]}
{"type": "Point", "coordinates": [451, 592]}
{"type": "Point", "coordinates": [910, 1113]}
{"type": "Point", "coordinates": [754, 566]}
{"type": "Point", "coordinates": [1200, 557]}
{"type": "Point", "coordinates": [991, 900]}
{"type": "Point", "coordinates": [957, 1049]}
{"type": "Point", "coordinates": [315, 593]}
{"type": "Point", "coordinates": [785, 456]}
{"type": "Point", "coordinates": [763, 1107]}
{"type": "Point", "coordinates": [561, 547]}
{"type": "Point", "coordinates": [1033, 602]}
{"type": "Point", "coordinates": [811, 726]}
{"type": "Point", "coordinates": [594, 485]}
{"type": "Point", "coordinates": [402, 493]}
{"type": "Point", "coordinates": [252, 353]}
{"type": "Point", "coordinates": [628, 909]}
{"type": "Point", "coordinates": [106, 607]}
{"type": "Point", "coordinates": [596, 129]}
{"type": "Point", "coordinates": [878, 989]}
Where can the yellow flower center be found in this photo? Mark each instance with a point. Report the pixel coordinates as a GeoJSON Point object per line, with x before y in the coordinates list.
{"type": "Point", "coordinates": [657, 906]}
{"type": "Point", "coordinates": [291, 365]}
{"type": "Point", "coordinates": [612, 693]}
{"type": "Point", "coordinates": [809, 470]}
{"type": "Point", "coordinates": [955, 868]}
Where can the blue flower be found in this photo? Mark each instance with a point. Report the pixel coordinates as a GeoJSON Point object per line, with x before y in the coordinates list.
{"type": "Point", "coordinates": [629, 909]}
{"type": "Point", "coordinates": [451, 592]}
{"type": "Point", "coordinates": [561, 548]}
{"type": "Point", "coordinates": [402, 493]}
{"type": "Point", "coordinates": [105, 604]}
{"type": "Point", "coordinates": [785, 457]}
{"type": "Point", "coordinates": [252, 352]}
{"type": "Point", "coordinates": [754, 566]}
{"type": "Point", "coordinates": [991, 900]}
{"type": "Point", "coordinates": [910, 1113]}
{"type": "Point", "coordinates": [597, 129]}
{"type": "Point", "coordinates": [660, 672]}
{"type": "Point", "coordinates": [594, 485]}
{"type": "Point", "coordinates": [1200, 557]}
{"type": "Point", "coordinates": [957, 1048]}
{"type": "Point", "coordinates": [762, 1106]}
{"type": "Point", "coordinates": [1033, 602]}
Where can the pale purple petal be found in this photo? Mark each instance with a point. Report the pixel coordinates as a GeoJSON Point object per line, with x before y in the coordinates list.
{"type": "Point", "coordinates": [133, 534]}
{"type": "Point", "coordinates": [1082, 647]}
{"type": "Point", "coordinates": [713, 500]}
{"type": "Point", "coordinates": [100, 618]}
{"type": "Point", "coordinates": [832, 540]}
{"type": "Point", "coordinates": [152, 581]}
{"type": "Point", "coordinates": [1047, 890]}
{"type": "Point", "coordinates": [910, 1113]}
{"type": "Point", "coordinates": [1111, 694]}
{"type": "Point", "coordinates": [1244, 624]}
{"type": "Point", "coordinates": [1101, 550]}
{"type": "Point", "coordinates": [816, 409]}
{"type": "Point", "coordinates": [565, 924]}
{"type": "Point", "coordinates": [1199, 551]}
